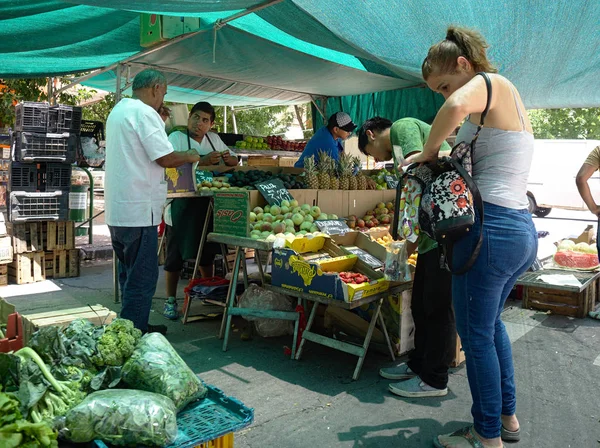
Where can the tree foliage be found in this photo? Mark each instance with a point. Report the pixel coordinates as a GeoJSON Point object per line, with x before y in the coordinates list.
{"type": "Point", "coordinates": [566, 123]}
{"type": "Point", "coordinates": [257, 121]}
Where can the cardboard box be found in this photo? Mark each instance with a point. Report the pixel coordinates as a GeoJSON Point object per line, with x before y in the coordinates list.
{"type": "Point", "coordinates": [360, 202]}
{"type": "Point", "coordinates": [232, 213]}
{"type": "Point", "coordinates": [587, 236]}
{"type": "Point", "coordinates": [332, 202]}
{"type": "Point", "coordinates": [292, 271]}
{"type": "Point", "coordinates": [362, 241]}
{"type": "Point", "coordinates": [309, 197]}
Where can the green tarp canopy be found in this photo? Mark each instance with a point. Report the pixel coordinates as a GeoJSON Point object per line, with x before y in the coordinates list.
{"type": "Point", "coordinates": [297, 50]}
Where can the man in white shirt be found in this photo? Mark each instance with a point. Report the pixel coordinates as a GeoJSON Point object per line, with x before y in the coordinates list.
{"type": "Point", "coordinates": [185, 217]}
{"type": "Point", "coordinates": [137, 151]}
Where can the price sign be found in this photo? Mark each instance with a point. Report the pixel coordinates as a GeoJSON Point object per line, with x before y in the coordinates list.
{"type": "Point", "coordinates": [333, 226]}
{"type": "Point", "coordinates": [392, 182]}
{"type": "Point", "coordinates": [274, 191]}
{"type": "Point", "coordinates": [231, 213]}
{"type": "Point", "coordinates": [365, 256]}
{"type": "Point", "coordinates": [202, 175]}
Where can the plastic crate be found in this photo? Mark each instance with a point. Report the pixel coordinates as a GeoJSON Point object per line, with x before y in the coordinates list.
{"type": "Point", "coordinates": [63, 118]}
{"type": "Point", "coordinates": [208, 423]}
{"type": "Point", "coordinates": [24, 177]}
{"type": "Point", "coordinates": [26, 206]}
{"type": "Point", "coordinates": [31, 117]}
{"type": "Point", "coordinates": [56, 176]}
{"type": "Point", "coordinates": [34, 147]}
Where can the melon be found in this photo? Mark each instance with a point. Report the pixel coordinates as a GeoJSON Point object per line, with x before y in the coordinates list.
{"type": "Point", "coordinates": [576, 260]}
{"type": "Point", "coordinates": [581, 247]}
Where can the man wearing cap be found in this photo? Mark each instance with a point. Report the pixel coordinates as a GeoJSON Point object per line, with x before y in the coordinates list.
{"type": "Point", "coordinates": [329, 138]}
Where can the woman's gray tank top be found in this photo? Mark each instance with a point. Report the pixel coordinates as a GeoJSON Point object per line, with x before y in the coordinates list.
{"type": "Point", "coordinates": [501, 162]}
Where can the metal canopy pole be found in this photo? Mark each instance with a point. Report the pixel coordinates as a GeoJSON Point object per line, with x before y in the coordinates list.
{"type": "Point", "coordinates": [115, 260]}
{"type": "Point", "coordinates": [225, 119]}
{"type": "Point", "coordinates": [233, 120]}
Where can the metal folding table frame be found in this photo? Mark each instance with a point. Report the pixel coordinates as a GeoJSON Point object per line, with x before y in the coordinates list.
{"type": "Point", "coordinates": [353, 349]}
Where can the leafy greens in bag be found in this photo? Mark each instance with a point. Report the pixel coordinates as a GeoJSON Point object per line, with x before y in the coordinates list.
{"type": "Point", "coordinates": [121, 417]}
{"type": "Point", "coordinates": [155, 366]}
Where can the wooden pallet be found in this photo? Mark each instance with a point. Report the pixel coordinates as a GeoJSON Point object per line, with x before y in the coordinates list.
{"type": "Point", "coordinates": [6, 250]}
{"type": "Point", "coordinates": [3, 274]}
{"type": "Point", "coordinates": [38, 236]}
{"type": "Point", "coordinates": [27, 268]}
{"type": "Point", "coordinates": [62, 263]}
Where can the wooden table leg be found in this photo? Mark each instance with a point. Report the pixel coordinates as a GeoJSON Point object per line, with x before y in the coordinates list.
{"type": "Point", "coordinates": [261, 273]}
{"type": "Point", "coordinates": [245, 269]}
{"type": "Point", "coordinates": [296, 327]}
{"type": "Point", "coordinates": [361, 358]}
{"type": "Point", "coordinates": [387, 336]}
{"type": "Point", "coordinates": [311, 319]}
{"type": "Point", "coordinates": [231, 296]}
{"type": "Point", "coordinates": [188, 303]}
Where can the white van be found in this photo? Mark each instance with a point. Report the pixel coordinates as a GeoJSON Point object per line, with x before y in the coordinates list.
{"type": "Point", "coordinates": [554, 169]}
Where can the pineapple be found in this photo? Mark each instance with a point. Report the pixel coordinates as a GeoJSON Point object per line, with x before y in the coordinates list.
{"type": "Point", "coordinates": [353, 183]}
{"type": "Point", "coordinates": [334, 180]}
{"type": "Point", "coordinates": [323, 176]}
{"type": "Point", "coordinates": [361, 182]}
{"type": "Point", "coordinates": [311, 173]}
{"type": "Point", "coordinates": [345, 171]}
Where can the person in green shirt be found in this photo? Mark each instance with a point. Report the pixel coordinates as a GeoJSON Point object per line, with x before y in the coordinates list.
{"type": "Point", "coordinates": [426, 372]}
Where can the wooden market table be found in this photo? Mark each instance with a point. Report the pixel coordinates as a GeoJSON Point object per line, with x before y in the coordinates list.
{"type": "Point", "coordinates": [230, 305]}
{"type": "Point", "coordinates": [575, 301]}
{"type": "Point", "coordinates": [356, 350]}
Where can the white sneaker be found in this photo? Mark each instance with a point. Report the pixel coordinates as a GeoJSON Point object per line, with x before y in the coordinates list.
{"type": "Point", "coordinates": [415, 388]}
{"type": "Point", "coordinates": [401, 372]}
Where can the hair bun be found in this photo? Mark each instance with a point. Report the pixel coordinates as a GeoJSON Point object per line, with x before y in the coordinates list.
{"type": "Point", "coordinates": [451, 34]}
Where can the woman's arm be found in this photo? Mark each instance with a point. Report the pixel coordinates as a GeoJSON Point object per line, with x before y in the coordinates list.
{"type": "Point", "coordinates": [469, 99]}
{"type": "Point", "coordinates": [585, 172]}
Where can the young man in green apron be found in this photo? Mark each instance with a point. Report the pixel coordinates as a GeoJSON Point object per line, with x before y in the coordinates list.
{"type": "Point", "coordinates": [185, 216]}
{"type": "Point", "coordinates": [426, 372]}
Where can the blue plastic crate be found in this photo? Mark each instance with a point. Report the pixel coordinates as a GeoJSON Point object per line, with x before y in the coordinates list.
{"type": "Point", "coordinates": [208, 419]}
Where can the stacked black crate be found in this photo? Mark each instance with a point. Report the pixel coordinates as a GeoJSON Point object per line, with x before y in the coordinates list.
{"type": "Point", "coordinates": [44, 147]}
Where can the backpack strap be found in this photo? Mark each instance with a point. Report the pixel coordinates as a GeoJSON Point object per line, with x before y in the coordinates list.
{"type": "Point", "coordinates": [478, 203]}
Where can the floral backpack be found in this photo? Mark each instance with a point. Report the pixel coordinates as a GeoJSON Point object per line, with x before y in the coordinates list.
{"type": "Point", "coordinates": [440, 199]}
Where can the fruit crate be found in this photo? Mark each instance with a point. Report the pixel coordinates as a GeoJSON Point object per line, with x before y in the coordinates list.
{"type": "Point", "coordinates": [31, 117]}
{"type": "Point", "coordinates": [56, 176]}
{"type": "Point", "coordinates": [574, 301]}
{"type": "Point", "coordinates": [63, 118]}
{"type": "Point", "coordinates": [62, 263]}
{"type": "Point", "coordinates": [27, 268]}
{"type": "Point", "coordinates": [35, 147]}
{"type": "Point", "coordinates": [37, 236]}
{"type": "Point", "coordinates": [23, 176]}
{"type": "Point", "coordinates": [209, 423]}
{"type": "Point", "coordinates": [39, 206]}
{"type": "Point", "coordinates": [3, 274]}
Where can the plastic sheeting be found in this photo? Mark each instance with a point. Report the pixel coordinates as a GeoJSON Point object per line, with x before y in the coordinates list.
{"type": "Point", "coordinates": [550, 50]}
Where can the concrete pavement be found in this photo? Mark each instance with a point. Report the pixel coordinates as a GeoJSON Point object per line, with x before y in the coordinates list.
{"type": "Point", "coordinates": [314, 403]}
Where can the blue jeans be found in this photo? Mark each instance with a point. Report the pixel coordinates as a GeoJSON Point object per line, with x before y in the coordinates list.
{"type": "Point", "coordinates": [509, 248]}
{"type": "Point", "coordinates": [137, 252]}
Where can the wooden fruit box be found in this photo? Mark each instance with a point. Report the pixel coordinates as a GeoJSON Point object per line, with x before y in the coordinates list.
{"type": "Point", "coordinates": [27, 268]}
{"type": "Point", "coordinates": [3, 274]}
{"type": "Point", "coordinates": [62, 263]}
{"type": "Point", "coordinates": [571, 301]}
{"type": "Point", "coordinates": [37, 236]}
{"type": "Point", "coordinates": [6, 250]}
{"type": "Point", "coordinates": [97, 314]}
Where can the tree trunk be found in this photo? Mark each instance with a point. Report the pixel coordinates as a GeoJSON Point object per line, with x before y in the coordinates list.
{"type": "Point", "coordinates": [299, 117]}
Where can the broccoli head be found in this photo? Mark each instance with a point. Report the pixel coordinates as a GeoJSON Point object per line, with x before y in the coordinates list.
{"type": "Point", "coordinates": [117, 343]}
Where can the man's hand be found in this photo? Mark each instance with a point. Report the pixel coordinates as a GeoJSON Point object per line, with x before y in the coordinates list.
{"type": "Point", "coordinates": [212, 158]}
{"type": "Point", "coordinates": [229, 159]}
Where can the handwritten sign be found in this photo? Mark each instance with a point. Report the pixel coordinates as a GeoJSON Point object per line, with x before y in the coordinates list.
{"type": "Point", "coordinates": [203, 175]}
{"type": "Point", "coordinates": [365, 256]}
{"type": "Point", "coordinates": [274, 191]}
{"type": "Point", "coordinates": [392, 182]}
{"type": "Point", "coordinates": [333, 226]}
{"type": "Point", "coordinates": [231, 213]}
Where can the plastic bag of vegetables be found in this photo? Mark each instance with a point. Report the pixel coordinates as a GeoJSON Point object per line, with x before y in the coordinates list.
{"type": "Point", "coordinates": [156, 367]}
{"type": "Point", "coordinates": [121, 417]}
